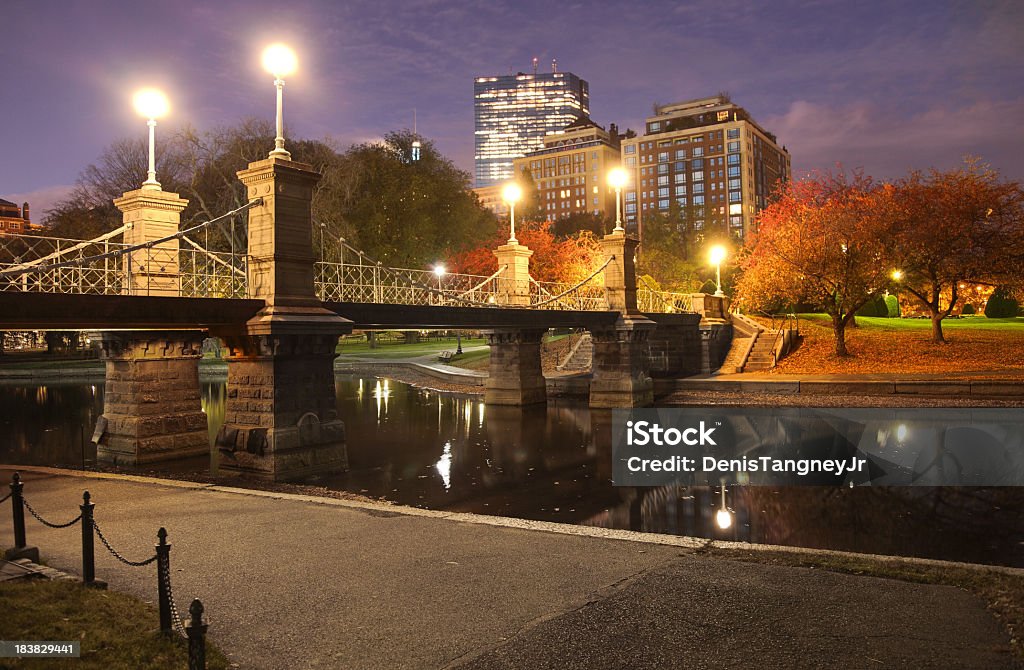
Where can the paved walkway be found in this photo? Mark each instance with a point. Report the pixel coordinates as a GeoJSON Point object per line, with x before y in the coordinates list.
{"type": "Point", "coordinates": [294, 582]}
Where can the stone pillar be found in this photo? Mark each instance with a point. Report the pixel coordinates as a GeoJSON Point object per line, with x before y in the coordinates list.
{"type": "Point", "coordinates": [621, 367]}
{"type": "Point", "coordinates": [620, 273]}
{"type": "Point", "coordinates": [514, 282]}
{"type": "Point", "coordinates": [151, 215]}
{"type": "Point", "coordinates": [711, 307]}
{"type": "Point", "coordinates": [151, 404]}
{"type": "Point", "coordinates": [622, 371]}
{"type": "Point", "coordinates": [281, 420]}
{"type": "Point", "coordinates": [514, 376]}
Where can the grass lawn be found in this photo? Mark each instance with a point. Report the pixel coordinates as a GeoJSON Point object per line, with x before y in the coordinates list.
{"type": "Point", "coordinates": [115, 630]}
{"type": "Point", "coordinates": [389, 349]}
{"type": "Point", "coordinates": [889, 346]}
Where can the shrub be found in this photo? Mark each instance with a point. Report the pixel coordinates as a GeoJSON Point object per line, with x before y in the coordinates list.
{"type": "Point", "coordinates": [1001, 306]}
{"type": "Point", "coordinates": [874, 307]}
{"type": "Point", "coordinates": [968, 309]}
{"type": "Point", "coordinates": [892, 306]}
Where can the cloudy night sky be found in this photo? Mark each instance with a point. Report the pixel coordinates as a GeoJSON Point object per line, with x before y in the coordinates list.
{"type": "Point", "coordinates": [886, 86]}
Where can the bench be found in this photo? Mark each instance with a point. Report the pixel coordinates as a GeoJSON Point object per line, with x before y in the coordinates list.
{"type": "Point", "coordinates": [445, 356]}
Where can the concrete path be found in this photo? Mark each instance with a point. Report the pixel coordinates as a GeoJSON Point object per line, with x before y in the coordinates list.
{"type": "Point", "coordinates": [297, 582]}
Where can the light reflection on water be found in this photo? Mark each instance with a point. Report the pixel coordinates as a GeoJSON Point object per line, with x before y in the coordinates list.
{"type": "Point", "coordinates": [446, 451]}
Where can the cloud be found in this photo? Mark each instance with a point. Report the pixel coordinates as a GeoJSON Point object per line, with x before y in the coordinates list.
{"type": "Point", "coordinates": [887, 144]}
{"type": "Point", "coordinates": [41, 199]}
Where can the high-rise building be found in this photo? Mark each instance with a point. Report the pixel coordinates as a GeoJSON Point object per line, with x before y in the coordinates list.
{"type": "Point", "coordinates": [710, 159]}
{"type": "Point", "coordinates": [571, 170]}
{"type": "Point", "coordinates": [513, 113]}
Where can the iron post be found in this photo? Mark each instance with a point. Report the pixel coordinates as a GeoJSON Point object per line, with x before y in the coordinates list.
{"type": "Point", "coordinates": [18, 511]}
{"type": "Point", "coordinates": [88, 555]}
{"type": "Point", "coordinates": [163, 572]}
{"type": "Point", "coordinates": [196, 631]}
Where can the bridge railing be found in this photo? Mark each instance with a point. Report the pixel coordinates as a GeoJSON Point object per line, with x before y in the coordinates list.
{"type": "Point", "coordinates": [106, 265]}
{"type": "Point", "coordinates": [371, 282]}
{"type": "Point", "coordinates": [654, 301]}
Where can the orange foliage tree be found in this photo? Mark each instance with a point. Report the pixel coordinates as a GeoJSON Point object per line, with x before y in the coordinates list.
{"type": "Point", "coordinates": [570, 259]}
{"type": "Point", "coordinates": [953, 228]}
{"type": "Point", "coordinates": [823, 242]}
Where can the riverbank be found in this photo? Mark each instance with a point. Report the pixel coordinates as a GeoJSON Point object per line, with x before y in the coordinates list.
{"type": "Point", "coordinates": [392, 586]}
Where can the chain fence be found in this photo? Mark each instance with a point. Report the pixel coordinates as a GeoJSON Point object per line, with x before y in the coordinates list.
{"type": "Point", "coordinates": [194, 632]}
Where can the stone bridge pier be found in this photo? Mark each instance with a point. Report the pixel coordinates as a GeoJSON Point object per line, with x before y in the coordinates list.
{"type": "Point", "coordinates": [514, 375]}
{"type": "Point", "coordinates": [152, 410]}
{"type": "Point", "coordinates": [621, 368]}
{"type": "Point", "coordinates": [281, 419]}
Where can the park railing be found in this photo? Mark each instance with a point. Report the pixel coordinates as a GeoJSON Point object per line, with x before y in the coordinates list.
{"type": "Point", "coordinates": [194, 631]}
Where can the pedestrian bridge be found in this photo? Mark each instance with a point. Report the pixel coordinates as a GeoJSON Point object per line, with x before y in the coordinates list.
{"type": "Point", "coordinates": [155, 290]}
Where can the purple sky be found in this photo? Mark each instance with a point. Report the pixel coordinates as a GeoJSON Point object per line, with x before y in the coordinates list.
{"type": "Point", "coordinates": [886, 86]}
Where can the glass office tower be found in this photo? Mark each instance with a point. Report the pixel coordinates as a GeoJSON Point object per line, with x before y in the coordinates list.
{"type": "Point", "coordinates": [513, 114]}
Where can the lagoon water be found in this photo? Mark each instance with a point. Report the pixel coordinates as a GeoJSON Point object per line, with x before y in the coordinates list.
{"type": "Point", "coordinates": [445, 451]}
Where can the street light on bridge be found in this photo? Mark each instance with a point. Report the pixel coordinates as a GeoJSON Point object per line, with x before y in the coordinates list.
{"type": "Point", "coordinates": [716, 255]}
{"type": "Point", "coordinates": [511, 194]}
{"type": "Point", "coordinates": [617, 179]}
{"type": "Point", "coordinates": [151, 104]}
{"type": "Point", "coordinates": [280, 61]}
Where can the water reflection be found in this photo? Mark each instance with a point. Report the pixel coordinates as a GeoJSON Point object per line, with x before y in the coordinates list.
{"type": "Point", "coordinates": [446, 451]}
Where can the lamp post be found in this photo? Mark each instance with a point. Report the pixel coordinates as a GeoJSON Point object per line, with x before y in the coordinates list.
{"type": "Point", "coordinates": [897, 276]}
{"type": "Point", "coordinates": [440, 271]}
{"type": "Point", "coordinates": [512, 194]}
{"type": "Point", "coordinates": [716, 256]}
{"type": "Point", "coordinates": [151, 104]}
{"type": "Point", "coordinates": [617, 179]}
{"type": "Point", "coordinates": [279, 61]}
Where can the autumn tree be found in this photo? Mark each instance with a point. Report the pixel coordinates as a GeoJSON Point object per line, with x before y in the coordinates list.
{"type": "Point", "coordinates": [570, 259]}
{"type": "Point", "coordinates": [823, 241]}
{"type": "Point", "coordinates": [955, 227]}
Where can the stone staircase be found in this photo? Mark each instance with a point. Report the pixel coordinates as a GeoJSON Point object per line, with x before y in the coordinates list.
{"type": "Point", "coordinates": [753, 346]}
{"type": "Point", "coordinates": [581, 356]}
{"type": "Point", "coordinates": [760, 356]}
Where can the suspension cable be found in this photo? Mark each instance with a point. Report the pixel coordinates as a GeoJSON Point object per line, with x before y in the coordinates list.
{"type": "Point", "coordinates": [135, 247]}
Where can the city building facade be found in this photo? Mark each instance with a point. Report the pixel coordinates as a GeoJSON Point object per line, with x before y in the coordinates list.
{"type": "Point", "coordinates": [490, 198]}
{"type": "Point", "coordinates": [707, 159]}
{"type": "Point", "coordinates": [14, 219]}
{"type": "Point", "coordinates": [513, 113]}
{"type": "Point", "coordinates": [570, 172]}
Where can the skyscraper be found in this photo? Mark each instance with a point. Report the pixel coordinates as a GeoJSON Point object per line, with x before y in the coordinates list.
{"type": "Point", "coordinates": [513, 113]}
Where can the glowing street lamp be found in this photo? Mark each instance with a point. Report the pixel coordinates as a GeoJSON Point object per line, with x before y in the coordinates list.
{"type": "Point", "coordinates": [279, 61]}
{"type": "Point", "coordinates": [151, 104]}
{"type": "Point", "coordinates": [716, 256]}
{"type": "Point", "coordinates": [617, 179]}
{"type": "Point", "coordinates": [512, 194]}
{"type": "Point", "coordinates": [439, 271]}
{"type": "Point", "coordinates": [897, 275]}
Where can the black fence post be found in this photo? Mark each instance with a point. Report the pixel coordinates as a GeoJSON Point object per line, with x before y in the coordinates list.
{"type": "Point", "coordinates": [196, 631]}
{"type": "Point", "coordinates": [21, 548]}
{"type": "Point", "coordinates": [163, 573]}
{"type": "Point", "coordinates": [88, 555]}
{"type": "Point", "coordinates": [18, 509]}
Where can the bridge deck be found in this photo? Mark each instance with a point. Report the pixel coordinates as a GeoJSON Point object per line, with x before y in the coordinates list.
{"type": "Point", "coordinates": [60, 311]}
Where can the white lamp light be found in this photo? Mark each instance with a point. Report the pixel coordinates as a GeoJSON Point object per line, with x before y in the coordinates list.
{"type": "Point", "coordinates": [151, 104]}
{"type": "Point", "coordinates": [280, 61]}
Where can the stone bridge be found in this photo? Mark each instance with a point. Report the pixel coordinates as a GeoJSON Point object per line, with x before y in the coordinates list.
{"type": "Point", "coordinates": [281, 417]}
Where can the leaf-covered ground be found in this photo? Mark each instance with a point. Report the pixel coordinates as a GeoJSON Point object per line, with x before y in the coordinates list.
{"type": "Point", "coordinates": [904, 346]}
